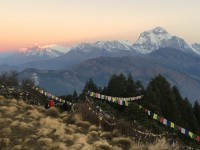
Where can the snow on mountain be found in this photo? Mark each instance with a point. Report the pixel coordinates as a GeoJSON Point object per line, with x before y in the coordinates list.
{"type": "Point", "coordinates": [196, 48]}
{"type": "Point", "coordinates": [50, 51]}
{"type": "Point", "coordinates": [110, 46]}
{"type": "Point", "coordinates": [159, 38]}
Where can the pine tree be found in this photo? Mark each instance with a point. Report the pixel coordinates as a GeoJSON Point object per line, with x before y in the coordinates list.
{"type": "Point", "coordinates": [117, 86]}
{"type": "Point", "coordinates": [196, 110]}
{"type": "Point", "coordinates": [89, 86]}
{"type": "Point", "coordinates": [130, 87]}
{"type": "Point", "coordinates": [75, 95]}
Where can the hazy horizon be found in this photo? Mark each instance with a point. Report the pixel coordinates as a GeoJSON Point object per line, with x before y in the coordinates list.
{"type": "Point", "coordinates": [65, 22]}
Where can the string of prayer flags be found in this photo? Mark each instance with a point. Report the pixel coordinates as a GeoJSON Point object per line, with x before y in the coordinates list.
{"type": "Point", "coordinates": [170, 124]}
{"type": "Point", "coordinates": [51, 95]}
{"type": "Point", "coordinates": [118, 100]}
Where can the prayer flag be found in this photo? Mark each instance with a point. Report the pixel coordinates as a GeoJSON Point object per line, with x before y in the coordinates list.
{"type": "Point", "coordinates": [161, 119]}
{"type": "Point", "coordinates": [186, 132]}
{"type": "Point", "coordinates": [149, 113]}
{"type": "Point", "coordinates": [183, 130]}
{"type": "Point", "coordinates": [155, 116]}
{"type": "Point", "coordinates": [168, 123]}
{"type": "Point", "coordinates": [198, 138]}
{"type": "Point", "coordinates": [126, 103]}
{"type": "Point", "coordinates": [172, 125]}
{"type": "Point", "coordinates": [190, 134]}
{"type": "Point", "coordinates": [121, 102]}
{"type": "Point", "coordinates": [194, 136]}
{"type": "Point", "coordinates": [109, 98]}
{"type": "Point", "coordinates": [165, 121]}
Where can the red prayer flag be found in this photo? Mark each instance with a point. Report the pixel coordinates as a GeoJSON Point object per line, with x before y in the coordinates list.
{"type": "Point", "coordinates": [161, 119]}
{"type": "Point", "coordinates": [198, 138]}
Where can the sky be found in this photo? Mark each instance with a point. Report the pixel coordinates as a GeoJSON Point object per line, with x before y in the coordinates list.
{"type": "Point", "coordinates": [65, 22]}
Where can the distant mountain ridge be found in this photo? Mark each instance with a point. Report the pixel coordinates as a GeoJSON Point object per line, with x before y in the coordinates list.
{"type": "Point", "coordinates": [182, 71]}
{"type": "Point", "coordinates": [59, 57]}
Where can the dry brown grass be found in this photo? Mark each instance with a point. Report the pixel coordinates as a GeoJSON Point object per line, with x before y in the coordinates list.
{"type": "Point", "coordinates": [4, 143]}
{"type": "Point", "coordinates": [93, 128]}
{"type": "Point", "coordinates": [84, 124]}
{"type": "Point", "coordinates": [27, 127]}
{"type": "Point", "coordinates": [161, 144]}
{"type": "Point", "coordinates": [122, 142]}
{"type": "Point", "coordinates": [5, 132]}
{"type": "Point", "coordinates": [92, 137]}
{"type": "Point", "coordinates": [69, 118]}
{"type": "Point", "coordinates": [53, 112]}
{"type": "Point", "coordinates": [17, 147]}
{"type": "Point", "coordinates": [34, 113]}
{"type": "Point", "coordinates": [102, 146]}
{"type": "Point", "coordinates": [106, 135]}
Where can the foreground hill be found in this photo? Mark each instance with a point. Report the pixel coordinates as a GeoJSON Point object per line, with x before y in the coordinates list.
{"type": "Point", "coordinates": [24, 126]}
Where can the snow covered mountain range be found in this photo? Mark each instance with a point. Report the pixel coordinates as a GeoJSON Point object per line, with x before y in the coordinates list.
{"type": "Point", "coordinates": [50, 51]}
{"type": "Point", "coordinates": [159, 38]}
{"type": "Point", "coordinates": [148, 41]}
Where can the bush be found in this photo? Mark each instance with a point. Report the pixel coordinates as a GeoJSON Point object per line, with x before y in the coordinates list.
{"type": "Point", "coordinates": [122, 142]}
{"type": "Point", "coordinates": [92, 137]}
{"type": "Point", "coordinates": [106, 135]}
{"type": "Point", "coordinates": [4, 142]}
{"type": "Point", "coordinates": [53, 112]}
{"type": "Point", "coordinates": [5, 132]}
{"type": "Point", "coordinates": [102, 146]}
{"type": "Point", "coordinates": [84, 124]}
{"type": "Point", "coordinates": [70, 119]}
{"type": "Point", "coordinates": [160, 144]}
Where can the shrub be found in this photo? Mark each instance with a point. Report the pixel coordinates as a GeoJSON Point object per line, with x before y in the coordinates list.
{"type": "Point", "coordinates": [68, 140]}
{"type": "Point", "coordinates": [106, 135]}
{"type": "Point", "coordinates": [4, 142]}
{"type": "Point", "coordinates": [17, 147]}
{"type": "Point", "coordinates": [78, 146]}
{"type": "Point", "coordinates": [93, 128]}
{"type": "Point", "coordinates": [92, 137]}
{"type": "Point", "coordinates": [45, 141]}
{"type": "Point", "coordinates": [122, 142]}
{"type": "Point", "coordinates": [53, 112]}
{"type": "Point", "coordinates": [160, 144]}
{"type": "Point", "coordinates": [58, 146]}
{"type": "Point", "coordinates": [70, 119]}
{"type": "Point", "coordinates": [5, 132]}
{"type": "Point", "coordinates": [84, 124]}
{"type": "Point", "coordinates": [102, 146]}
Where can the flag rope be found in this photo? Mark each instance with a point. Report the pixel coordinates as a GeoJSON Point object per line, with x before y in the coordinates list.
{"type": "Point", "coordinates": [124, 102]}
{"type": "Point", "coordinates": [51, 95]}
{"type": "Point", "coordinates": [118, 100]}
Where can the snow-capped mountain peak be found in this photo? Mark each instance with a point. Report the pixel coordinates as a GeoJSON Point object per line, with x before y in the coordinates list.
{"type": "Point", "coordinates": [50, 51]}
{"type": "Point", "coordinates": [112, 45]}
{"type": "Point", "coordinates": [196, 48]}
{"type": "Point", "coordinates": [109, 46]}
{"type": "Point", "coordinates": [157, 38]}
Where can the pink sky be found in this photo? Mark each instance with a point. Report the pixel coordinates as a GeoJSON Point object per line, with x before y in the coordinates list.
{"type": "Point", "coordinates": [26, 22]}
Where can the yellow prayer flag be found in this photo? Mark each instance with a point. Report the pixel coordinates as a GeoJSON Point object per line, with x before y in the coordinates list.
{"type": "Point", "coordinates": [155, 116]}
{"type": "Point", "coordinates": [172, 125]}
{"type": "Point", "coordinates": [126, 103]}
{"type": "Point", "coordinates": [190, 134]}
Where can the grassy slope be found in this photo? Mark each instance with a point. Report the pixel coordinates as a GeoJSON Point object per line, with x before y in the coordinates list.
{"type": "Point", "coordinates": [24, 126]}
